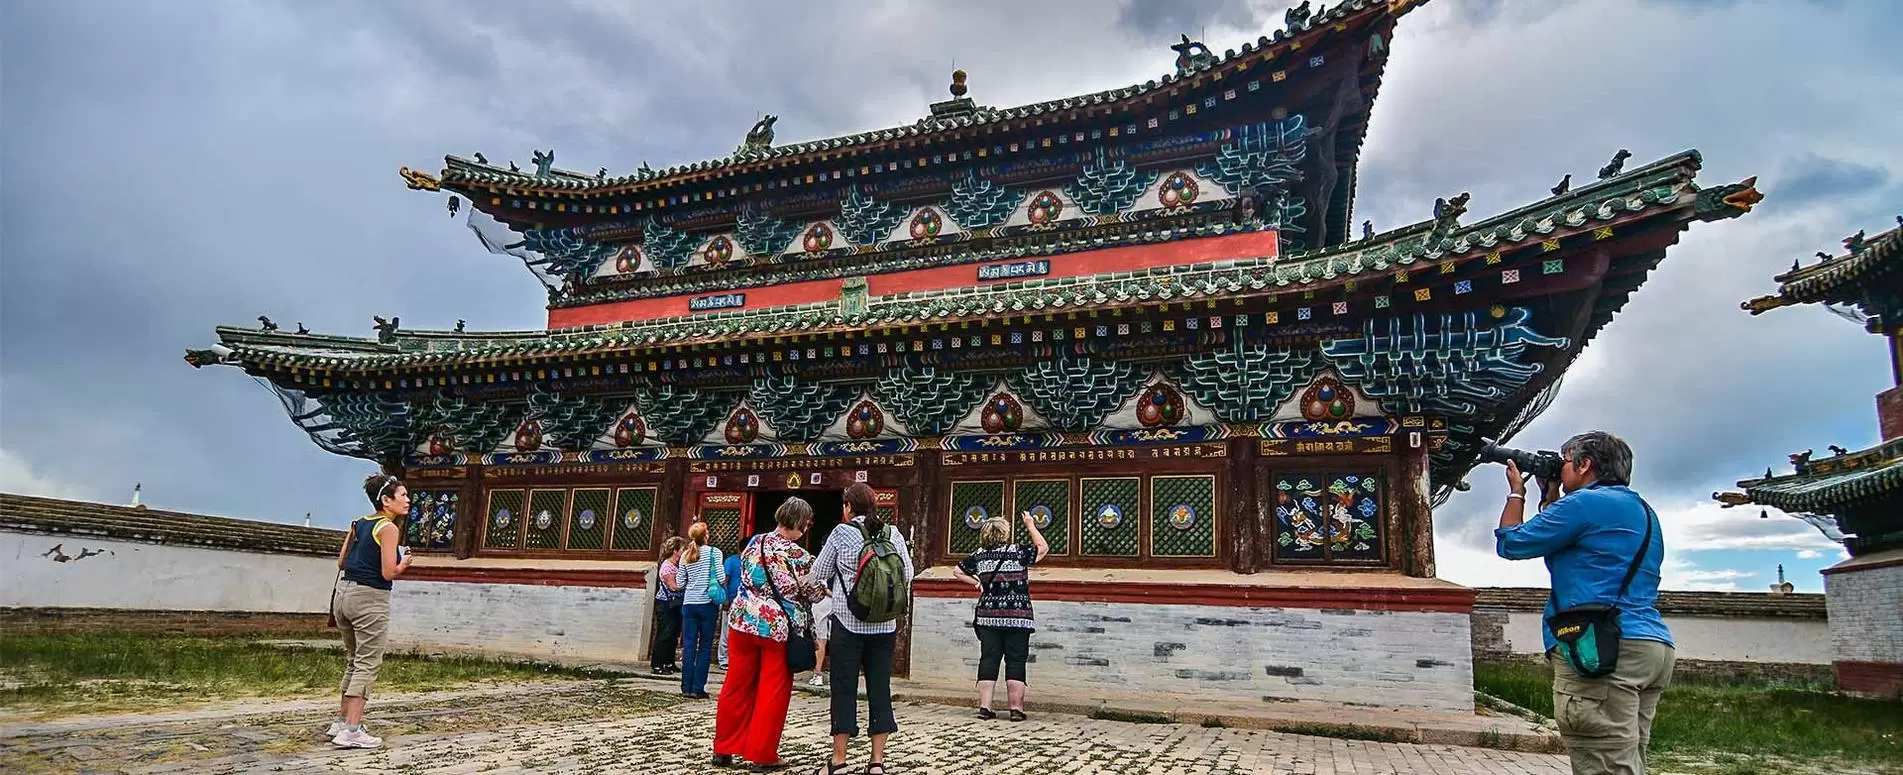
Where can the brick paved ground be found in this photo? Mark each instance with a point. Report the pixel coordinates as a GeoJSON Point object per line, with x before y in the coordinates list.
{"type": "Point", "coordinates": [595, 727]}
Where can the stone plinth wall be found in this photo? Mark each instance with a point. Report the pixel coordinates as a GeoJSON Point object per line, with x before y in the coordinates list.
{"type": "Point", "coordinates": [1223, 649]}
{"type": "Point", "coordinates": [51, 570]}
{"type": "Point", "coordinates": [1865, 596]}
{"type": "Point", "coordinates": [572, 617]}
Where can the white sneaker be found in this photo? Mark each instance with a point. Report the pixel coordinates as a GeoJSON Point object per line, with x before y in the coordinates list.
{"type": "Point", "coordinates": [816, 680]}
{"type": "Point", "coordinates": [336, 728]}
{"type": "Point", "coordinates": [356, 738]}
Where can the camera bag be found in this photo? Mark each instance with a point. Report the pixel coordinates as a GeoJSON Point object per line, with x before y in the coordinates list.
{"type": "Point", "coordinates": [1588, 634]}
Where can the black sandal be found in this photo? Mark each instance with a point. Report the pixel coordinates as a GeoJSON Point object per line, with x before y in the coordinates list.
{"type": "Point", "coordinates": [880, 766]}
{"type": "Point", "coordinates": [829, 768]}
{"type": "Point", "coordinates": [987, 714]}
{"type": "Point", "coordinates": [1018, 715]}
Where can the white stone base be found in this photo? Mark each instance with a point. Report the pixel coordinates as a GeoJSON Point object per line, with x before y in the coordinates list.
{"type": "Point", "coordinates": [559, 623]}
{"type": "Point", "coordinates": [1389, 659]}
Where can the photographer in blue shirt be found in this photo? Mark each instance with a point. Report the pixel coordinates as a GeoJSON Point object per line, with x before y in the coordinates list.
{"type": "Point", "coordinates": [1590, 537]}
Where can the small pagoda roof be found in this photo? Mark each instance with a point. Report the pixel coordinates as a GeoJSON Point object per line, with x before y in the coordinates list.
{"type": "Point", "coordinates": [1294, 44]}
{"type": "Point", "coordinates": [1839, 279]}
{"type": "Point", "coordinates": [1660, 189]}
{"type": "Point", "coordinates": [1827, 485]}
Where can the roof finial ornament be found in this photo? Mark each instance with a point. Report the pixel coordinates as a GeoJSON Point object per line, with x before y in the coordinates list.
{"type": "Point", "coordinates": [1822, 256]}
{"type": "Point", "coordinates": [265, 324]}
{"type": "Point", "coordinates": [1801, 460]}
{"type": "Point", "coordinates": [301, 329]}
{"type": "Point", "coordinates": [481, 159]}
{"type": "Point", "coordinates": [1447, 212]}
{"type": "Point", "coordinates": [455, 204]}
{"type": "Point", "coordinates": [958, 88]}
{"type": "Point", "coordinates": [601, 174]}
{"type": "Point", "coordinates": [1296, 18]}
{"type": "Point", "coordinates": [543, 162]}
{"type": "Point", "coordinates": [1565, 184]}
{"type": "Point", "coordinates": [513, 168]}
{"type": "Point", "coordinates": [1854, 243]}
{"type": "Point", "coordinates": [418, 180]}
{"type": "Point", "coordinates": [1839, 451]}
{"type": "Point", "coordinates": [1191, 56]}
{"type": "Point", "coordinates": [1367, 229]}
{"type": "Point", "coordinates": [459, 325]}
{"type": "Point", "coordinates": [760, 137]}
{"type": "Point", "coordinates": [1613, 167]}
{"type": "Point", "coordinates": [645, 169]}
{"type": "Point", "coordinates": [386, 329]}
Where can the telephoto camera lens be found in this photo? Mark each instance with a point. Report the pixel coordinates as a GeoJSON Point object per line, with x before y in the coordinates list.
{"type": "Point", "coordinates": [1544, 464]}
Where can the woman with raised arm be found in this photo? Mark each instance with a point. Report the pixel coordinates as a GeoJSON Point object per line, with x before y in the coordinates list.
{"type": "Point", "coordinates": [371, 559]}
{"type": "Point", "coordinates": [1001, 571]}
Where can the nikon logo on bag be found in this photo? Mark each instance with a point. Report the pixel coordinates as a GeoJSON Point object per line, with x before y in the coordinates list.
{"type": "Point", "coordinates": [1573, 629]}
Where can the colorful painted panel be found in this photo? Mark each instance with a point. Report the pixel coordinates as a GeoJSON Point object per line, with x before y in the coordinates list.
{"type": "Point", "coordinates": [432, 522]}
{"type": "Point", "coordinates": [886, 506]}
{"type": "Point", "coordinates": [546, 508]}
{"type": "Point", "coordinates": [588, 519]}
{"type": "Point", "coordinates": [634, 520]}
{"type": "Point", "coordinates": [504, 528]}
{"type": "Point", "coordinates": [971, 504]}
{"type": "Point", "coordinates": [1328, 517]}
{"type": "Point", "coordinates": [1183, 516]}
{"type": "Point", "coordinates": [1108, 516]}
{"type": "Point", "coordinates": [1048, 500]}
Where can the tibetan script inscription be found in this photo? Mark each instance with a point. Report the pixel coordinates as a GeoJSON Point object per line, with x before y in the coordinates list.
{"type": "Point", "coordinates": [784, 464]}
{"type": "Point", "coordinates": [1036, 268]}
{"type": "Point", "coordinates": [718, 301]}
{"type": "Point", "coordinates": [1085, 455]}
{"type": "Point", "coordinates": [532, 472]}
{"type": "Point", "coordinates": [1364, 445]}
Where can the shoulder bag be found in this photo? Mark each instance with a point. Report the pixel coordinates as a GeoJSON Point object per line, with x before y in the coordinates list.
{"type": "Point", "coordinates": [802, 652]}
{"type": "Point", "coordinates": [336, 587]}
{"type": "Point", "coordinates": [983, 583]}
{"type": "Point", "coordinates": [1588, 635]}
{"type": "Point", "coordinates": [717, 577]}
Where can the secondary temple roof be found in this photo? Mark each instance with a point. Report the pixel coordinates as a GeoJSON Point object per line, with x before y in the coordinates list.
{"type": "Point", "coordinates": [1859, 276]}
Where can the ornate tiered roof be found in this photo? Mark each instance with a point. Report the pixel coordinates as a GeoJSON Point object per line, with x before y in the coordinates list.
{"type": "Point", "coordinates": [1825, 485]}
{"type": "Point", "coordinates": [1661, 189]}
{"type": "Point", "coordinates": [1853, 277]}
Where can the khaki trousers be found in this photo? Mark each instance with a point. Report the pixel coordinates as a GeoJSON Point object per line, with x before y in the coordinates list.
{"type": "Point", "coordinates": [363, 614]}
{"type": "Point", "coordinates": [1606, 722]}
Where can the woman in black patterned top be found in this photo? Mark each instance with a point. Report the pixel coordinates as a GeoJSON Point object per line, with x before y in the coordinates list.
{"type": "Point", "coordinates": [1001, 571]}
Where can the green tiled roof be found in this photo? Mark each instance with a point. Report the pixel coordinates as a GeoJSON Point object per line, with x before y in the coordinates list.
{"type": "Point", "coordinates": [1836, 279]}
{"type": "Point", "coordinates": [1661, 187]}
{"type": "Point", "coordinates": [462, 171]}
{"type": "Point", "coordinates": [1826, 492]}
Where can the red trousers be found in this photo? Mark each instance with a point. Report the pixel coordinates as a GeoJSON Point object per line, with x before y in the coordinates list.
{"type": "Point", "coordinates": [751, 715]}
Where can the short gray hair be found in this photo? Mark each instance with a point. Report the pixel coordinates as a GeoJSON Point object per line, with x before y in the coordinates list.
{"type": "Point", "coordinates": [1611, 457]}
{"type": "Point", "coordinates": [995, 532]}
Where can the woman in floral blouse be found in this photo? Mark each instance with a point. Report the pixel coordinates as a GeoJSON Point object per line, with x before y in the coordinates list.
{"type": "Point", "coordinates": [752, 712]}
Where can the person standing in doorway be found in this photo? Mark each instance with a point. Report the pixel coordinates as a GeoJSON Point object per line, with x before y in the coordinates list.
{"type": "Point", "coordinates": [769, 611]}
{"type": "Point", "coordinates": [699, 575]}
{"type": "Point", "coordinates": [370, 560]}
{"type": "Point", "coordinates": [1001, 571]}
{"type": "Point", "coordinates": [1603, 545]}
{"type": "Point", "coordinates": [858, 646]}
{"type": "Point", "coordinates": [822, 633]}
{"type": "Point", "coordinates": [667, 610]}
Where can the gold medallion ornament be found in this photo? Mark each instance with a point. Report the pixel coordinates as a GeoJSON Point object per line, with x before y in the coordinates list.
{"type": "Point", "coordinates": [792, 481]}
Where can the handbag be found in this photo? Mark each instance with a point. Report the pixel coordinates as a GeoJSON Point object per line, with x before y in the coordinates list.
{"type": "Point", "coordinates": [1588, 635]}
{"type": "Point", "coordinates": [336, 587]}
{"type": "Point", "coordinates": [717, 580]}
{"type": "Point", "coordinates": [802, 652]}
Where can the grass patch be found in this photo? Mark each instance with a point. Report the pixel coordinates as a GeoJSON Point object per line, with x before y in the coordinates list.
{"type": "Point", "coordinates": [1130, 716]}
{"type": "Point", "coordinates": [1756, 719]}
{"type": "Point", "coordinates": [97, 672]}
{"type": "Point", "coordinates": [1340, 732]}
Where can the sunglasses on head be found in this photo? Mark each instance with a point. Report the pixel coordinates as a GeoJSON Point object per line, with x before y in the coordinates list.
{"type": "Point", "coordinates": [385, 488]}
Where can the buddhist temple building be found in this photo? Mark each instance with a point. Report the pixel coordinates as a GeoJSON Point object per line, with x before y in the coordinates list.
{"type": "Point", "coordinates": [1855, 497]}
{"type": "Point", "coordinates": [1145, 316]}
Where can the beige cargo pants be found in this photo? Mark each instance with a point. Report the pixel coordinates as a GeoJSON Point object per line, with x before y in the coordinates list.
{"type": "Point", "coordinates": [363, 615]}
{"type": "Point", "coordinates": [1606, 722]}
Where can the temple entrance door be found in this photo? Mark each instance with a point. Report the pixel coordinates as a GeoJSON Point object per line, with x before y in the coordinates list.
{"type": "Point", "coordinates": [724, 513]}
{"type": "Point", "coordinates": [827, 507]}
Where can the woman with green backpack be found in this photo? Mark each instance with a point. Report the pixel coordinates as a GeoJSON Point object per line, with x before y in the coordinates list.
{"type": "Point", "coordinates": [874, 571]}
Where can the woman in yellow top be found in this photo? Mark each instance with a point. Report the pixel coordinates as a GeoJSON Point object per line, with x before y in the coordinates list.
{"type": "Point", "coordinates": [372, 557]}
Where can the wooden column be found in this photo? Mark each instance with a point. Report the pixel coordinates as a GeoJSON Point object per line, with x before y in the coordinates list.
{"type": "Point", "coordinates": [1414, 500]}
{"type": "Point", "coordinates": [920, 505]}
{"type": "Point", "coordinates": [671, 500]}
{"type": "Point", "coordinates": [472, 515]}
{"type": "Point", "coordinates": [1242, 526]}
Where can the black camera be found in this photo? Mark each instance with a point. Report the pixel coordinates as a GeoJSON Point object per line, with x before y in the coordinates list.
{"type": "Point", "coordinates": [1544, 464]}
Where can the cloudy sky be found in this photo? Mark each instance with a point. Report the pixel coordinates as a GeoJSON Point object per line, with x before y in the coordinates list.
{"type": "Point", "coordinates": [170, 166]}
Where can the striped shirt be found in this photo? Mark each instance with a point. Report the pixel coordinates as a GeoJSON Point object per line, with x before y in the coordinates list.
{"type": "Point", "coordinates": [695, 578]}
{"type": "Point", "coordinates": [839, 559]}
